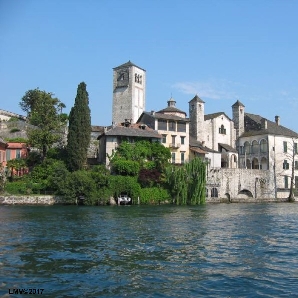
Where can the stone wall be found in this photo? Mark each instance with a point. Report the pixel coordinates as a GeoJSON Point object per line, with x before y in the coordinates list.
{"type": "Point", "coordinates": [31, 200]}
{"type": "Point", "coordinates": [240, 185]}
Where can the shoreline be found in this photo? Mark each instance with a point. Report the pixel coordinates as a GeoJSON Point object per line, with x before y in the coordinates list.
{"type": "Point", "coordinates": [50, 200]}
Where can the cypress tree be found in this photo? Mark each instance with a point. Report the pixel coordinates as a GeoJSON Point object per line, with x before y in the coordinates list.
{"type": "Point", "coordinates": [79, 131]}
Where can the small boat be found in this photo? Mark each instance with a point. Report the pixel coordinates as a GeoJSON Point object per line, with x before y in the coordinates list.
{"type": "Point", "coordinates": [124, 199]}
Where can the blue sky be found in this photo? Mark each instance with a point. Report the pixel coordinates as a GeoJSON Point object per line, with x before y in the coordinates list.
{"type": "Point", "coordinates": [222, 50]}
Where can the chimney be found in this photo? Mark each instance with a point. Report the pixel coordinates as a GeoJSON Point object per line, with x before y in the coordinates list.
{"type": "Point", "coordinates": [264, 123]}
{"type": "Point", "coordinates": [277, 120]}
{"type": "Point", "coordinates": [152, 113]}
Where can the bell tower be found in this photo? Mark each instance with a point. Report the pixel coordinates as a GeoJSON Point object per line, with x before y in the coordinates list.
{"type": "Point", "coordinates": [129, 90]}
{"type": "Point", "coordinates": [196, 117]}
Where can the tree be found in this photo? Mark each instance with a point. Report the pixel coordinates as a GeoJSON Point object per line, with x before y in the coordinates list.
{"type": "Point", "coordinates": [79, 131]}
{"type": "Point", "coordinates": [187, 183]}
{"type": "Point", "coordinates": [44, 114]}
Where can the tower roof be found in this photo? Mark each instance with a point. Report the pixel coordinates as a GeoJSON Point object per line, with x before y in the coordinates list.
{"type": "Point", "coordinates": [197, 98]}
{"type": "Point", "coordinates": [238, 103]}
{"type": "Point", "coordinates": [128, 64]}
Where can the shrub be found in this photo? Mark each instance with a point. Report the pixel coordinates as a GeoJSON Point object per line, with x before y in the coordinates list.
{"type": "Point", "coordinates": [153, 195]}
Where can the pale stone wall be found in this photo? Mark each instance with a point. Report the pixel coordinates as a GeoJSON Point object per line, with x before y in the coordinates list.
{"type": "Point", "coordinates": [32, 200]}
{"type": "Point", "coordinates": [196, 117]}
{"type": "Point", "coordinates": [129, 94]}
{"type": "Point", "coordinates": [241, 184]}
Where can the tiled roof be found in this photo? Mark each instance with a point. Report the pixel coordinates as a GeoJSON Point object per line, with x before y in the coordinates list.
{"type": "Point", "coordinates": [215, 115]}
{"type": "Point", "coordinates": [227, 147]}
{"type": "Point", "coordinates": [158, 115]}
{"type": "Point", "coordinates": [132, 132]}
{"type": "Point", "coordinates": [194, 143]}
{"type": "Point", "coordinates": [16, 145]}
{"type": "Point", "coordinates": [171, 110]}
{"type": "Point", "coordinates": [98, 128]}
{"type": "Point", "coordinates": [253, 127]}
{"type": "Point", "coordinates": [238, 103]}
{"type": "Point", "coordinates": [128, 64]}
{"type": "Point", "coordinates": [197, 98]}
{"type": "Point", "coordinates": [198, 150]}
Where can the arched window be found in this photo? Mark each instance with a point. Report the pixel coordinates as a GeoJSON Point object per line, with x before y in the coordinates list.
{"type": "Point", "coordinates": [255, 147]}
{"type": "Point", "coordinates": [264, 146]}
{"type": "Point", "coordinates": [222, 130]}
{"type": "Point", "coordinates": [264, 164]}
{"type": "Point", "coordinates": [246, 147]}
{"type": "Point", "coordinates": [255, 164]}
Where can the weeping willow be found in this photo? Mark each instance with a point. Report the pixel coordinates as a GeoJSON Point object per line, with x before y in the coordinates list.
{"type": "Point", "coordinates": [188, 183]}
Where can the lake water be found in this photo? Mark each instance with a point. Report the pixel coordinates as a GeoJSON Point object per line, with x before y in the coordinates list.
{"type": "Point", "coordinates": [222, 250]}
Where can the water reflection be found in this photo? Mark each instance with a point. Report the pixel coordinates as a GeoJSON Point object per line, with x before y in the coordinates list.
{"type": "Point", "coordinates": [165, 251]}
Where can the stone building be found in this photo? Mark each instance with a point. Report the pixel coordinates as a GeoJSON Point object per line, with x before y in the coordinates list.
{"type": "Point", "coordinates": [215, 131]}
{"type": "Point", "coordinates": [267, 145]}
{"type": "Point", "coordinates": [173, 125]}
{"type": "Point", "coordinates": [129, 90]}
{"type": "Point", "coordinates": [111, 138]}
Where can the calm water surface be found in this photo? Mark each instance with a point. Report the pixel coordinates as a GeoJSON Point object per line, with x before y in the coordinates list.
{"type": "Point", "coordinates": [224, 250]}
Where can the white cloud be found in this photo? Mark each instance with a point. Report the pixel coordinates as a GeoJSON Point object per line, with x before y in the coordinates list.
{"type": "Point", "coordinates": [220, 89]}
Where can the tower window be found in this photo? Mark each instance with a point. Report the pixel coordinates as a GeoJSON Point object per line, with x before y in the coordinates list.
{"type": "Point", "coordinates": [222, 130]}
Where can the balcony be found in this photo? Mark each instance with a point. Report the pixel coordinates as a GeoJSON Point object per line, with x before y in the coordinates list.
{"type": "Point", "coordinates": [175, 145]}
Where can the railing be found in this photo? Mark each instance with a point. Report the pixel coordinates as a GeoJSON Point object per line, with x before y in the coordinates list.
{"type": "Point", "coordinates": [175, 145]}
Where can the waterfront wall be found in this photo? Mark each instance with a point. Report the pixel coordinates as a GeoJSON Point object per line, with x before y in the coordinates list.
{"type": "Point", "coordinates": [32, 200]}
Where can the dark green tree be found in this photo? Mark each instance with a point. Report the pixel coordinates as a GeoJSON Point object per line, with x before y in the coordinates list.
{"type": "Point", "coordinates": [44, 113]}
{"type": "Point", "coordinates": [79, 131]}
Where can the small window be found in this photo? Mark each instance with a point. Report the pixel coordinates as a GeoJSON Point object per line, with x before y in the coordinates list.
{"type": "Point", "coordinates": [295, 148]}
{"type": "Point", "coordinates": [285, 147]}
{"type": "Point", "coordinates": [182, 140]}
{"type": "Point", "coordinates": [286, 182]}
{"type": "Point", "coordinates": [286, 165]}
{"type": "Point", "coordinates": [296, 182]}
{"type": "Point", "coordinates": [173, 157]}
{"type": "Point", "coordinates": [18, 153]}
{"type": "Point", "coordinates": [8, 154]}
{"type": "Point", "coordinates": [164, 139]}
{"type": "Point", "coordinates": [296, 164]}
{"type": "Point", "coordinates": [182, 157]}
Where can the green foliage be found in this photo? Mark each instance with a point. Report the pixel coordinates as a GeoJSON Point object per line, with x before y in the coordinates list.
{"type": "Point", "coordinates": [16, 188]}
{"type": "Point", "coordinates": [33, 159]}
{"type": "Point", "coordinates": [79, 132]}
{"type": "Point", "coordinates": [187, 183]}
{"type": "Point", "coordinates": [126, 167]}
{"type": "Point", "coordinates": [13, 119]}
{"type": "Point", "coordinates": [153, 195]}
{"type": "Point", "coordinates": [15, 164]}
{"type": "Point", "coordinates": [80, 183]}
{"type": "Point", "coordinates": [127, 184]}
{"type": "Point", "coordinates": [17, 140]}
{"type": "Point", "coordinates": [2, 178]}
{"type": "Point", "coordinates": [148, 155]}
{"type": "Point", "coordinates": [44, 112]}
{"type": "Point", "coordinates": [14, 130]}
